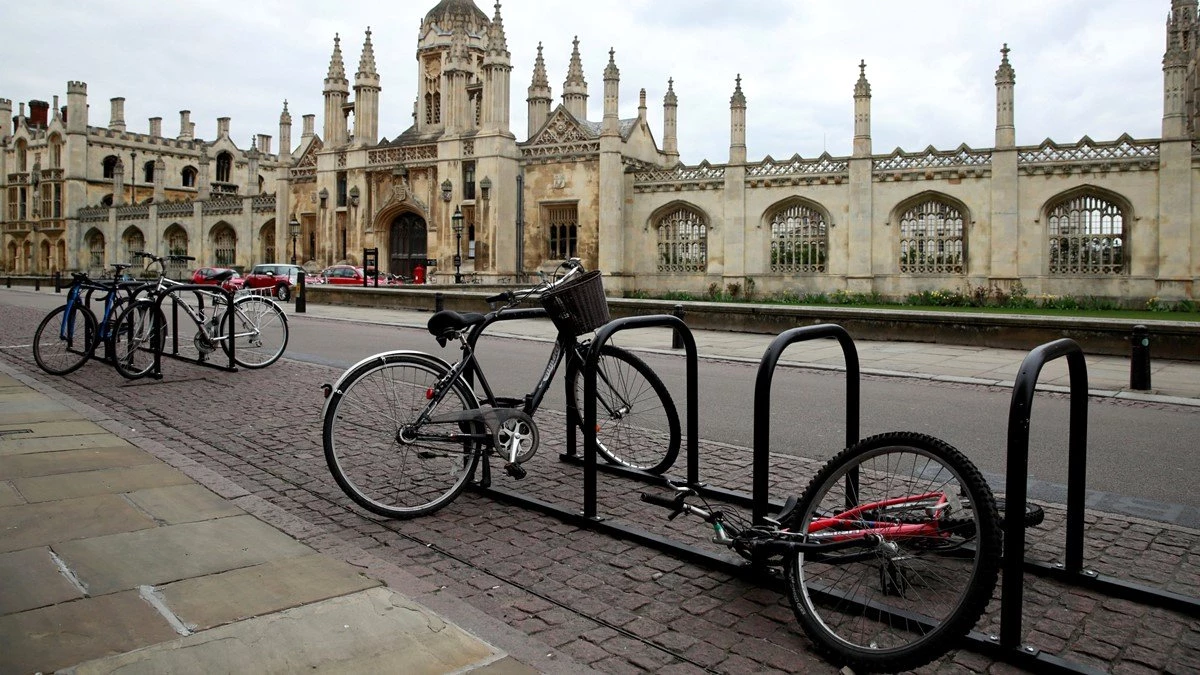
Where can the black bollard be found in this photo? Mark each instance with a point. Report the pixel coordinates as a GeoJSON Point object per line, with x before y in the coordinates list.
{"type": "Point", "coordinates": [301, 298]}
{"type": "Point", "coordinates": [37, 283]}
{"type": "Point", "coordinates": [439, 301]}
{"type": "Point", "coordinates": [58, 282]}
{"type": "Point", "coordinates": [1139, 359]}
{"type": "Point", "coordinates": [8, 282]}
{"type": "Point", "coordinates": [676, 337]}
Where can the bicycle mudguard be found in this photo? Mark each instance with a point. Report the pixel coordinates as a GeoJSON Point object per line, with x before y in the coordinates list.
{"type": "Point", "coordinates": [337, 386]}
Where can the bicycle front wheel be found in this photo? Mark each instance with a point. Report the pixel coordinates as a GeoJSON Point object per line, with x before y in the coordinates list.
{"type": "Point", "coordinates": [930, 563]}
{"type": "Point", "coordinates": [64, 341]}
{"type": "Point", "coordinates": [260, 331]}
{"type": "Point", "coordinates": [138, 334]}
{"type": "Point", "coordinates": [376, 451]}
{"type": "Point", "coordinates": [637, 424]}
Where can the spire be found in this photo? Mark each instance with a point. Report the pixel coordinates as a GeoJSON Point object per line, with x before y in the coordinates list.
{"type": "Point", "coordinates": [497, 42]}
{"type": "Point", "coordinates": [1006, 78]}
{"type": "Point", "coordinates": [612, 85]}
{"type": "Point", "coordinates": [1005, 73]}
{"type": "Point", "coordinates": [285, 117]}
{"type": "Point", "coordinates": [366, 63]}
{"type": "Point", "coordinates": [337, 70]}
{"type": "Point", "coordinates": [575, 88]}
{"type": "Point", "coordinates": [670, 124]}
{"type": "Point", "coordinates": [539, 95]}
{"type": "Point", "coordinates": [611, 72]}
{"type": "Point", "coordinates": [575, 68]}
{"type": "Point", "coordinates": [738, 100]}
{"type": "Point", "coordinates": [540, 81]}
{"type": "Point", "coordinates": [862, 87]}
{"type": "Point", "coordinates": [670, 98]}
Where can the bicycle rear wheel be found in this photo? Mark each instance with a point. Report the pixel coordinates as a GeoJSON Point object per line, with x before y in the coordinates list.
{"type": "Point", "coordinates": [63, 342]}
{"type": "Point", "coordinates": [902, 601]}
{"type": "Point", "coordinates": [637, 424]}
{"type": "Point", "coordinates": [260, 331]}
{"type": "Point", "coordinates": [136, 337]}
{"type": "Point", "coordinates": [375, 453]}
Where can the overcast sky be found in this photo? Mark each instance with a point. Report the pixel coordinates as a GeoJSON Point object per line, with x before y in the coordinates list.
{"type": "Point", "coordinates": [1089, 67]}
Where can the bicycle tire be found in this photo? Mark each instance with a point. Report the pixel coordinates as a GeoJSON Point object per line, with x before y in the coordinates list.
{"type": "Point", "coordinates": [361, 432]}
{"type": "Point", "coordinates": [260, 330]}
{"type": "Point", "coordinates": [642, 430]}
{"type": "Point", "coordinates": [137, 339]}
{"type": "Point", "coordinates": [60, 350]}
{"type": "Point", "coordinates": [904, 602]}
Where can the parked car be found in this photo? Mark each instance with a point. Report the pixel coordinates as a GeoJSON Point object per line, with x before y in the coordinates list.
{"type": "Point", "coordinates": [207, 275]}
{"type": "Point", "coordinates": [279, 277]}
{"type": "Point", "coordinates": [343, 275]}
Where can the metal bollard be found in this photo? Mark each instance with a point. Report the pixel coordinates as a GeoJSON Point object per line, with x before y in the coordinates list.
{"type": "Point", "coordinates": [37, 283]}
{"type": "Point", "coordinates": [439, 301]}
{"type": "Point", "coordinates": [8, 282]}
{"type": "Point", "coordinates": [1139, 359]}
{"type": "Point", "coordinates": [676, 337]}
{"type": "Point", "coordinates": [301, 296]}
{"type": "Point", "coordinates": [58, 282]}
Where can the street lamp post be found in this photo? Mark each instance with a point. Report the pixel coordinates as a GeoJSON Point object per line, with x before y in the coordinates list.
{"type": "Point", "coordinates": [294, 230]}
{"type": "Point", "coordinates": [457, 224]}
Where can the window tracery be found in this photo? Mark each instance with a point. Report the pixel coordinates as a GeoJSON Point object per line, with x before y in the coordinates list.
{"type": "Point", "coordinates": [932, 239]}
{"type": "Point", "coordinates": [1086, 236]}
{"type": "Point", "coordinates": [682, 242]}
{"type": "Point", "coordinates": [799, 240]}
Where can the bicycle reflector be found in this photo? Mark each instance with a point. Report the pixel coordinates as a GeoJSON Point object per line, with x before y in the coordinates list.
{"type": "Point", "coordinates": [429, 393]}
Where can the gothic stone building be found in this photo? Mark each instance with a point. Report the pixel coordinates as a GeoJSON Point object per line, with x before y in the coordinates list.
{"type": "Point", "coordinates": [1114, 218]}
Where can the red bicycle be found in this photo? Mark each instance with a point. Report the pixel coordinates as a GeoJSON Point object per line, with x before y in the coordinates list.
{"type": "Point", "coordinates": [890, 554]}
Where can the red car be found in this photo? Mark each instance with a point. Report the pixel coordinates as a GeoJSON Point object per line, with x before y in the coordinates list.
{"type": "Point", "coordinates": [208, 275]}
{"type": "Point", "coordinates": [280, 278]}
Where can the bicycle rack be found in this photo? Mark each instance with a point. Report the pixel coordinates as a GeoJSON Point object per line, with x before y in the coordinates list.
{"type": "Point", "coordinates": [200, 290]}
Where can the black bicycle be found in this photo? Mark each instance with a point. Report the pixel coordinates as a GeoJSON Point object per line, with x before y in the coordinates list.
{"type": "Point", "coordinates": [404, 430]}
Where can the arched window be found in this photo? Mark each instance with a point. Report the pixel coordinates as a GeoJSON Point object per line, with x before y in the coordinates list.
{"type": "Point", "coordinates": [224, 246]}
{"type": "Point", "coordinates": [22, 156]}
{"type": "Point", "coordinates": [56, 145]}
{"type": "Point", "coordinates": [188, 176]}
{"type": "Point", "coordinates": [95, 244]}
{"type": "Point", "coordinates": [133, 240]}
{"type": "Point", "coordinates": [148, 172]}
{"type": "Point", "coordinates": [562, 225]}
{"type": "Point", "coordinates": [1086, 236]}
{"type": "Point", "coordinates": [177, 244]}
{"type": "Point", "coordinates": [932, 239]}
{"type": "Point", "coordinates": [682, 242]}
{"type": "Point", "coordinates": [799, 240]}
{"type": "Point", "coordinates": [110, 165]}
{"type": "Point", "coordinates": [224, 167]}
{"type": "Point", "coordinates": [266, 239]}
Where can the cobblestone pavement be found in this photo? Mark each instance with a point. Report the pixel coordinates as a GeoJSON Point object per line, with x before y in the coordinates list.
{"type": "Point", "coordinates": [614, 605]}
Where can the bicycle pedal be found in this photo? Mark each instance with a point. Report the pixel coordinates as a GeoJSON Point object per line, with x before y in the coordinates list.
{"type": "Point", "coordinates": [515, 470]}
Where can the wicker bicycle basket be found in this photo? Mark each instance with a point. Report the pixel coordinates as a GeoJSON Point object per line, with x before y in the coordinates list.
{"type": "Point", "coordinates": [578, 306]}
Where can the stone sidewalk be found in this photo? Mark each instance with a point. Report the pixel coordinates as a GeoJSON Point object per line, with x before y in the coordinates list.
{"type": "Point", "coordinates": [114, 560]}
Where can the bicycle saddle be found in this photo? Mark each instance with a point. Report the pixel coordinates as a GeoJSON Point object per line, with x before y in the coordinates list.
{"type": "Point", "coordinates": [222, 276]}
{"type": "Point", "coordinates": [446, 323]}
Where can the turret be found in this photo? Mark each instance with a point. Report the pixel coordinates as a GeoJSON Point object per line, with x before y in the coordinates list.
{"type": "Point", "coordinates": [6, 129]}
{"type": "Point", "coordinates": [862, 113]}
{"type": "Point", "coordinates": [737, 125]}
{"type": "Point", "coordinates": [337, 88]}
{"type": "Point", "coordinates": [1179, 100]}
{"type": "Point", "coordinates": [366, 96]}
{"type": "Point", "coordinates": [285, 134]}
{"type": "Point", "coordinates": [1006, 79]}
{"type": "Point", "coordinates": [539, 95]}
{"type": "Point", "coordinates": [497, 72]}
{"type": "Point", "coordinates": [575, 88]}
{"type": "Point", "coordinates": [612, 84]}
{"type": "Point", "coordinates": [77, 108]}
{"type": "Point", "coordinates": [671, 123]}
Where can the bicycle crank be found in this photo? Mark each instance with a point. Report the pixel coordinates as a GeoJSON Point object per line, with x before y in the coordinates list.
{"type": "Point", "coordinates": [515, 439]}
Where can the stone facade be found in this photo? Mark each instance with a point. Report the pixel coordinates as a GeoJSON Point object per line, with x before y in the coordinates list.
{"type": "Point", "coordinates": [1111, 218]}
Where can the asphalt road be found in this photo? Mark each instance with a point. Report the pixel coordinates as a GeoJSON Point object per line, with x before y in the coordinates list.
{"type": "Point", "coordinates": [1142, 456]}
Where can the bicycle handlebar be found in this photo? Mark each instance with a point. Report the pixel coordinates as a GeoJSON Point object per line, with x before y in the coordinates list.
{"type": "Point", "coordinates": [512, 298]}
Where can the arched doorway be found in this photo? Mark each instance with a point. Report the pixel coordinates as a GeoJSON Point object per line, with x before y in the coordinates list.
{"type": "Point", "coordinates": [408, 245]}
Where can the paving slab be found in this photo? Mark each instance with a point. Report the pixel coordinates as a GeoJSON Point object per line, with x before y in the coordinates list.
{"type": "Point", "coordinates": [29, 525]}
{"type": "Point", "coordinates": [173, 552]}
{"type": "Point", "coordinates": [373, 631]}
{"type": "Point", "coordinates": [103, 481]}
{"type": "Point", "coordinates": [20, 444]}
{"type": "Point", "coordinates": [72, 461]}
{"type": "Point", "coordinates": [216, 599]}
{"type": "Point", "coordinates": [47, 639]}
{"type": "Point", "coordinates": [52, 429]}
{"type": "Point", "coordinates": [182, 504]}
{"type": "Point", "coordinates": [9, 495]}
{"type": "Point", "coordinates": [32, 580]}
{"type": "Point", "coordinates": [24, 406]}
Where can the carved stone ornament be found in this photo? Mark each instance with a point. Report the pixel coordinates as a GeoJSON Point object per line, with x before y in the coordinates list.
{"type": "Point", "coordinates": [560, 181]}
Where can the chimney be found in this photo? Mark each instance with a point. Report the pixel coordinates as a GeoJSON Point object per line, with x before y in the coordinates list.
{"type": "Point", "coordinates": [186, 128]}
{"type": "Point", "coordinates": [264, 143]}
{"type": "Point", "coordinates": [118, 114]}
{"type": "Point", "coordinates": [222, 127]}
{"type": "Point", "coordinates": [39, 114]}
{"type": "Point", "coordinates": [156, 127]}
{"type": "Point", "coordinates": [309, 122]}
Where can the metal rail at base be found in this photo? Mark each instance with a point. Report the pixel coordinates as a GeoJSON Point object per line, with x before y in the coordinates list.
{"type": "Point", "coordinates": [200, 290]}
